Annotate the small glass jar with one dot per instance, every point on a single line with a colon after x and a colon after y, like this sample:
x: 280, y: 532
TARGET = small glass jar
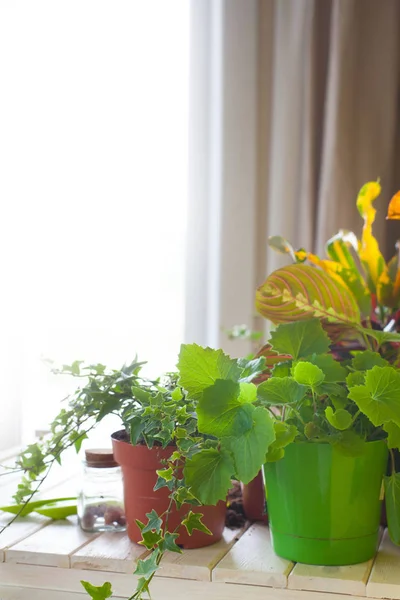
x: 100, y: 502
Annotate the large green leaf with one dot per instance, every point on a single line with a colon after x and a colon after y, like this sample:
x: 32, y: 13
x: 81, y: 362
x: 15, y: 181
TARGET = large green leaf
x: 201, y: 367
x: 341, y: 419
x: 393, y: 431
x: 308, y: 374
x: 249, y: 449
x: 285, y: 434
x: 223, y: 411
x: 330, y: 367
x: 299, y: 292
x: 392, y: 499
x: 251, y: 368
x: 379, y: 397
x: 300, y: 339
x: 363, y: 361
x: 280, y: 390
x: 208, y: 474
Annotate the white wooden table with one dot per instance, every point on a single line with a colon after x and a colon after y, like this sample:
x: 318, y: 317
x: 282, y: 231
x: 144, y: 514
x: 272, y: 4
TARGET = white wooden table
x: 42, y: 559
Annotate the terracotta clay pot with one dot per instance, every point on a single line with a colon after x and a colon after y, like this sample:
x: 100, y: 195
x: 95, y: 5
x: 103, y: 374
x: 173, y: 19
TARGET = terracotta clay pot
x: 253, y: 495
x: 139, y: 465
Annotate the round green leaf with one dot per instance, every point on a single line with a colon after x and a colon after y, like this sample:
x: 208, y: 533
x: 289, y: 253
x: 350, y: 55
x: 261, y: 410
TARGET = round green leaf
x: 308, y: 374
x: 341, y: 419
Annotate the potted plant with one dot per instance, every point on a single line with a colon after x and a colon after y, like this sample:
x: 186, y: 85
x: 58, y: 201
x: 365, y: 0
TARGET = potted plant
x: 352, y: 292
x: 158, y: 420
x: 162, y: 448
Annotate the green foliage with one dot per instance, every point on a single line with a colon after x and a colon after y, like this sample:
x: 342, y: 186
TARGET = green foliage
x: 224, y: 399
x: 208, y: 474
x: 250, y: 448
x: 193, y: 521
x: 308, y: 374
x: 220, y: 426
x: 392, y: 499
x: 280, y: 390
x: 98, y: 593
x: 378, y: 397
x: 363, y: 361
x: 200, y: 367
x: 300, y: 339
x: 341, y: 419
x: 333, y: 371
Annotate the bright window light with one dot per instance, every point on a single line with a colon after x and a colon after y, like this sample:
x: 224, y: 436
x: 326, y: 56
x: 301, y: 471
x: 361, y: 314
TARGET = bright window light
x: 93, y: 191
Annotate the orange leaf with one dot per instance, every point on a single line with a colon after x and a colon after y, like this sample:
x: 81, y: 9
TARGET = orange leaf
x: 394, y: 207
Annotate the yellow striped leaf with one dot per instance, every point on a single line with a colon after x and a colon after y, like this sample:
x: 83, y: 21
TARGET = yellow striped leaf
x: 369, y: 251
x: 300, y: 292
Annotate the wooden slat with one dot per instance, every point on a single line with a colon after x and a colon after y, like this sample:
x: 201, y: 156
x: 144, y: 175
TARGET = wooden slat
x: 109, y: 552
x: 198, y: 564
x: 384, y: 581
x: 350, y: 580
x: 45, y: 579
x: 253, y: 561
x: 19, y: 530
x: 51, y: 545
x: 17, y: 593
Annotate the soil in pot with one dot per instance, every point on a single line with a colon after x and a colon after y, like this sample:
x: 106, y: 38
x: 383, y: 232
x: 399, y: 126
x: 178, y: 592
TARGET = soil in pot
x: 139, y: 465
x: 324, y: 507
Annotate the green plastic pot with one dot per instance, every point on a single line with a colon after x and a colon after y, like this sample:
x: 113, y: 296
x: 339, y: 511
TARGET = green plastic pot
x: 324, y: 507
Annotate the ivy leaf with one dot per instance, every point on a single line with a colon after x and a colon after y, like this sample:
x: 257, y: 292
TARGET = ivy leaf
x: 331, y: 368
x: 199, y: 368
x: 136, y: 427
x: 150, y: 539
x: 77, y: 437
x: 98, y: 593
x: 169, y: 543
x: 356, y: 378
x: 222, y: 411
x: 280, y: 390
x: 308, y: 374
x: 145, y: 568
x: 392, y: 500
x: 341, y: 419
x: 166, y: 474
x: 176, y: 394
x: 251, y: 368
x: 194, y: 521
x: 249, y: 449
x: 363, y: 361
x: 393, y: 432
x: 208, y: 474
x: 300, y: 338
x: 378, y: 398
x: 154, y: 522
x: 348, y: 443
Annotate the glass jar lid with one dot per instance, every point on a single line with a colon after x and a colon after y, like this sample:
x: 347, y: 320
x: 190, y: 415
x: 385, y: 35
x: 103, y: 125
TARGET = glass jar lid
x: 100, y: 458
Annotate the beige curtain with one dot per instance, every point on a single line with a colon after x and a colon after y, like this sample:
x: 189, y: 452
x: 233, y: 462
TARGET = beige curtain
x: 329, y: 117
x: 295, y: 104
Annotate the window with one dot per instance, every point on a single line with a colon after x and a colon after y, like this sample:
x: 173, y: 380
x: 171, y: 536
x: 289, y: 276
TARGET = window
x: 93, y: 192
